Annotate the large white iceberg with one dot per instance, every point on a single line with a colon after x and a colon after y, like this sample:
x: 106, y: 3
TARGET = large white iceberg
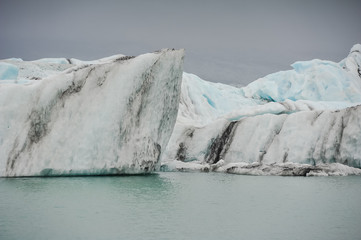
x: 287, y: 123
x: 110, y: 116
x: 115, y: 115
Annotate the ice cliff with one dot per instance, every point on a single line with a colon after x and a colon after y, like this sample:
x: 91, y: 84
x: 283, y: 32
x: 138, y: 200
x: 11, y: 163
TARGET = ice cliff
x: 69, y: 117
x: 305, y: 121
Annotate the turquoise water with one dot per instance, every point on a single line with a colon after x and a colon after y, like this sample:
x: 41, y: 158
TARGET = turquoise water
x: 181, y: 206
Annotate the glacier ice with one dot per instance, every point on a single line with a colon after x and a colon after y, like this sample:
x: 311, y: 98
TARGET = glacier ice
x: 314, y: 80
x: 202, y: 101
x: 255, y: 168
x: 120, y: 112
x: 296, y: 122
x: 8, y: 71
x: 88, y: 118
x: 307, y: 137
x: 15, y: 70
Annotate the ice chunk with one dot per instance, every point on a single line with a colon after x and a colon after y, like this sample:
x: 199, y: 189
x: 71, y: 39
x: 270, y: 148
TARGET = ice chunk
x: 309, y: 115
x: 91, y: 119
x: 314, y: 80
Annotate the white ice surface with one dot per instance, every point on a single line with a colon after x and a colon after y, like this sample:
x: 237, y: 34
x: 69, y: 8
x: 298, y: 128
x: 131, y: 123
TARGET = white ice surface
x: 314, y: 80
x: 90, y: 118
x: 15, y: 70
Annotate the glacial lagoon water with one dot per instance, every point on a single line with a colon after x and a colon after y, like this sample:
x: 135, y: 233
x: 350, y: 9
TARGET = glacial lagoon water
x: 181, y: 206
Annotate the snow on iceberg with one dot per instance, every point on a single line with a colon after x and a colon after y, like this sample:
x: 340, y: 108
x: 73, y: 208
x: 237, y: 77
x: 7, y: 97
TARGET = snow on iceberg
x: 26, y: 72
x: 15, y: 70
x: 308, y: 116
x: 90, y: 119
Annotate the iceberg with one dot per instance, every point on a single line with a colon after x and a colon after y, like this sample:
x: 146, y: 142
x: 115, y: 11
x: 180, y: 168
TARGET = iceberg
x: 131, y: 115
x: 111, y: 116
x: 314, y: 80
x: 304, y: 121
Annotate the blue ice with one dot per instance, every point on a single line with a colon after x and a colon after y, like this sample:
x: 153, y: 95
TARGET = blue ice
x: 8, y: 71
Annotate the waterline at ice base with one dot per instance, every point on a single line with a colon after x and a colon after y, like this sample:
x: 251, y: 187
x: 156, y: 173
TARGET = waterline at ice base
x: 122, y: 115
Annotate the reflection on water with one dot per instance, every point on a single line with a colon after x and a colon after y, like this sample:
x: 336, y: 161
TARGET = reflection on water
x: 180, y: 206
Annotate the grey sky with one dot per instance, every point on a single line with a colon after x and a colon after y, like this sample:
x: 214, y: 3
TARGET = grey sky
x: 226, y: 41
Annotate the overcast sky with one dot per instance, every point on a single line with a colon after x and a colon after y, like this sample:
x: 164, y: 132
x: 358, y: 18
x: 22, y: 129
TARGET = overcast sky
x: 226, y: 41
